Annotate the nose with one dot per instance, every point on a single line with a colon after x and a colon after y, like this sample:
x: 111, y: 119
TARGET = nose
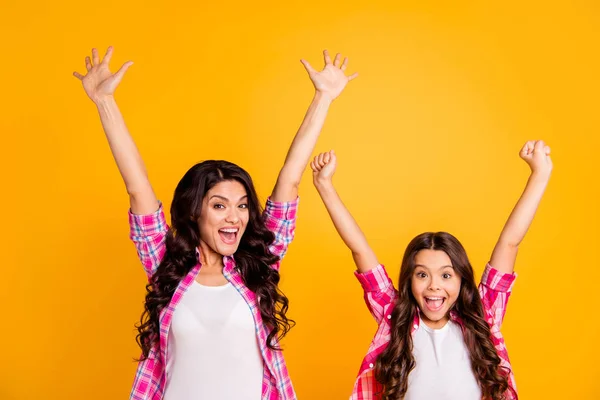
x: 433, y: 284
x: 232, y: 216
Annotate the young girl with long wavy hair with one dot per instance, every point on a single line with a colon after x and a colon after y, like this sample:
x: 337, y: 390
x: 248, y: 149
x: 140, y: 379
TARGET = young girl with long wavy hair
x: 438, y: 334
x: 214, y: 314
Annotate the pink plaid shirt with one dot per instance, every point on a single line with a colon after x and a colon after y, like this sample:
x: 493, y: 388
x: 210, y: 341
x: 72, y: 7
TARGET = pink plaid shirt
x: 148, y: 233
x: 380, y: 296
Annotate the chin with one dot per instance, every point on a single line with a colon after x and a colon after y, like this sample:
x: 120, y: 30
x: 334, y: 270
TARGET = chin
x: 228, y: 251
x: 435, y: 317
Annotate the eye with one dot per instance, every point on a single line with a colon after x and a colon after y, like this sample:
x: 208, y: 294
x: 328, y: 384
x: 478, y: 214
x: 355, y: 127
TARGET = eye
x: 218, y: 206
x: 421, y: 274
x: 244, y: 206
x: 447, y: 276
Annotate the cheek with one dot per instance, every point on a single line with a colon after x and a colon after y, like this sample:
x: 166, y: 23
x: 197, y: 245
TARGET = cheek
x: 417, y: 287
x: 208, y: 223
x: 454, y: 288
x: 203, y: 227
x: 245, y: 218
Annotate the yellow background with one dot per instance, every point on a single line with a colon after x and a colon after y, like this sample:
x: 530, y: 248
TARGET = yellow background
x: 427, y: 139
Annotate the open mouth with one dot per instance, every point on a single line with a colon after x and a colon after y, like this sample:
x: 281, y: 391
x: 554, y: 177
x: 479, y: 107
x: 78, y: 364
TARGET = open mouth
x: 434, y: 303
x: 228, y: 235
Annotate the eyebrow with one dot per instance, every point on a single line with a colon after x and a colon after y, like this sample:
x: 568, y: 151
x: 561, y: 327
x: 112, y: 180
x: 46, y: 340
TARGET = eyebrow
x: 225, y: 198
x: 426, y: 267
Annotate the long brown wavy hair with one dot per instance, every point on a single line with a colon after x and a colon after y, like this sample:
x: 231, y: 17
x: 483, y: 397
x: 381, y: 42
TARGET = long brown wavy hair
x: 252, y: 258
x: 396, y: 362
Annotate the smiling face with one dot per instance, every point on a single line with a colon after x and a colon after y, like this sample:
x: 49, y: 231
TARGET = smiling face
x: 224, y: 217
x: 435, y: 286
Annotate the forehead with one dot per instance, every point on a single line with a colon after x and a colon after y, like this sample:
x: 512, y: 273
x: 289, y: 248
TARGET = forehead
x: 232, y: 190
x: 432, y: 259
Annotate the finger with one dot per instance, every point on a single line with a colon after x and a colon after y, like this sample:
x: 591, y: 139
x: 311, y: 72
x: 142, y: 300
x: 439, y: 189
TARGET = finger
x: 539, y: 146
x: 108, y: 55
x: 326, y: 158
x: 547, y: 150
x: 353, y: 76
x: 308, y: 67
x: 527, y: 147
x: 119, y: 74
x: 326, y: 57
x: 336, y: 60
x: 344, y: 64
x: 315, y: 163
x: 78, y: 75
x: 321, y: 160
x: 530, y: 146
x: 88, y: 63
x: 313, y: 167
x: 95, y: 57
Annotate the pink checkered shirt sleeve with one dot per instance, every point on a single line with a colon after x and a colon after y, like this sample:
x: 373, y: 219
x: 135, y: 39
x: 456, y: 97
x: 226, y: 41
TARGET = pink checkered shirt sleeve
x: 280, y: 218
x: 379, y: 291
x: 495, y: 289
x: 148, y: 233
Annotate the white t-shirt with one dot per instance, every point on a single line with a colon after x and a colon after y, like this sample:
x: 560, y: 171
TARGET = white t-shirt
x: 443, y: 367
x: 213, y: 351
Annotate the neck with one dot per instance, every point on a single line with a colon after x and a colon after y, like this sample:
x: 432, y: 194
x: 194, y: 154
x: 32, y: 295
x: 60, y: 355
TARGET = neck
x: 209, y: 257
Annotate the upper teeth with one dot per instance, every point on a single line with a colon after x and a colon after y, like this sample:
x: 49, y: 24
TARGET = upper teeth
x: 434, y: 298
x: 229, y: 230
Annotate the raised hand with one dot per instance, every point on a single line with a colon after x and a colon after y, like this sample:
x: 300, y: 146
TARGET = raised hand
x: 99, y: 82
x: 329, y: 83
x: 537, y: 155
x: 332, y: 80
x: 323, y: 166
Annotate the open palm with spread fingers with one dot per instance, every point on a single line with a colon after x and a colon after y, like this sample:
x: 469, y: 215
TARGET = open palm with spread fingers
x: 332, y: 80
x: 99, y: 82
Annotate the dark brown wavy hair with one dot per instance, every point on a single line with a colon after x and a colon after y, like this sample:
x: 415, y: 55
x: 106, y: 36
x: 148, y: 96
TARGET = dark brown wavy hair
x: 396, y: 362
x: 252, y: 258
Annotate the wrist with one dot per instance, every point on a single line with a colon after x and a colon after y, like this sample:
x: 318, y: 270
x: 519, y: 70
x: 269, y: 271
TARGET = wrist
x: 322, y: 97
x: 323, y: 183
x: 540, y: 176
x: 104, y: 100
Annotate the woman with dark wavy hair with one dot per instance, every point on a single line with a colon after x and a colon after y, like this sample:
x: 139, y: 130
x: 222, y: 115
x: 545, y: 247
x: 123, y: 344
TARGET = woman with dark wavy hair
x: 214, y: 314
x: 438, y: 334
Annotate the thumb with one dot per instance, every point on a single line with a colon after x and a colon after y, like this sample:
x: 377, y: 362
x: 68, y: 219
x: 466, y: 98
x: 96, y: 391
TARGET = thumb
x: 121, y: 72
x: 308, y: 67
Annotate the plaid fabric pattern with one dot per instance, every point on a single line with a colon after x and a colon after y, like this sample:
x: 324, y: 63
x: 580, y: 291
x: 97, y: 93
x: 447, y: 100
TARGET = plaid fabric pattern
x: 380, y: 297
x: 148, y: 234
